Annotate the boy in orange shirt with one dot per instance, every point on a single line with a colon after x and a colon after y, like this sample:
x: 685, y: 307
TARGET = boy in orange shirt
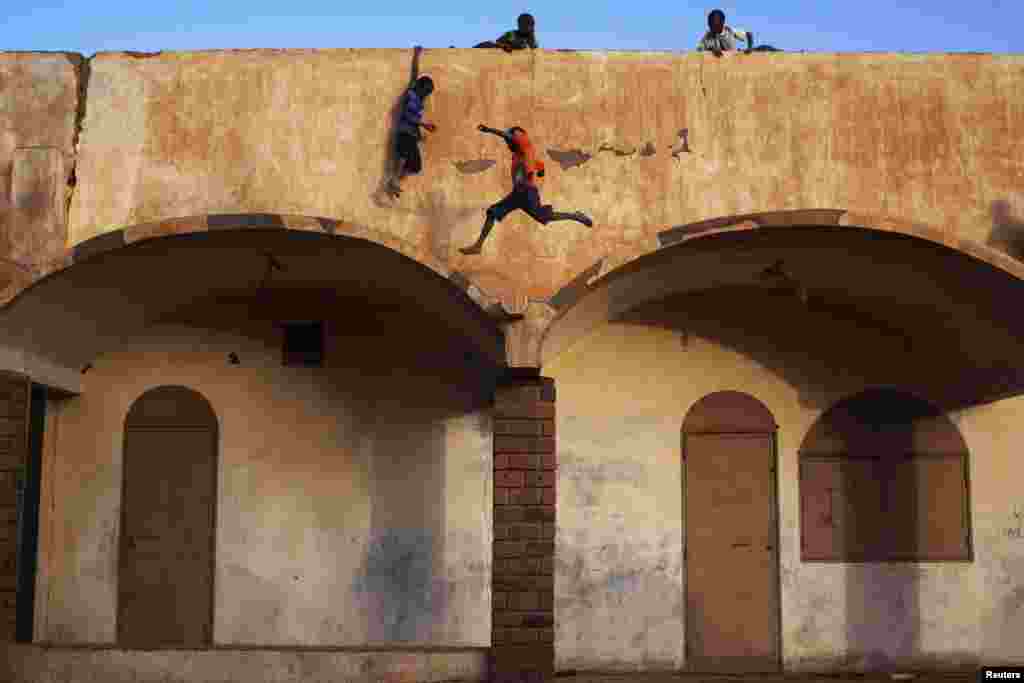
x: 525, y: 195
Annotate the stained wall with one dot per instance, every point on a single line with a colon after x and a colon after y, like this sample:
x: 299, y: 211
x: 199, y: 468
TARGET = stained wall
x: 623, y: 393
x: 354, y: 501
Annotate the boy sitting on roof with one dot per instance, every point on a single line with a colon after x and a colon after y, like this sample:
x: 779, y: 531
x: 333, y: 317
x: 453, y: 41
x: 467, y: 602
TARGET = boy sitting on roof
x: 521, y: 38
x: 721, y: 38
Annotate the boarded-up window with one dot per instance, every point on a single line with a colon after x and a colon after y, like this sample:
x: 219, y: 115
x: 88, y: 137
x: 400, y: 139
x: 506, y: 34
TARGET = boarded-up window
x: 883, y: 477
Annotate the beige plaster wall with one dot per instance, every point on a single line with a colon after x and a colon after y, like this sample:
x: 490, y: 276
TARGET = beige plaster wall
x: 623, y: 393
x: 932, y: 139
x: 354, y: 502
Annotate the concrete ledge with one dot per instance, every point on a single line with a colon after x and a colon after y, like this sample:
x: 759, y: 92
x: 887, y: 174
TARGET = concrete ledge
x: 33, y: 663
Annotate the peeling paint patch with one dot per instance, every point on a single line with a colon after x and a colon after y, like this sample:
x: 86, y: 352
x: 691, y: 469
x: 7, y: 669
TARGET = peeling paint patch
x: 229, y: 221
x: 569, y: 158
x: 617, y: 150
x: 683, y: 144
x: 568, y: 295
x: 679, y: 232
x: 474, y: 165
x: 327, y: 225
x: 98, y: 245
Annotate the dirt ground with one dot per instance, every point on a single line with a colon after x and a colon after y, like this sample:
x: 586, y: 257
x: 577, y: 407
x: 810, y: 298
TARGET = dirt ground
x: 767, y: 678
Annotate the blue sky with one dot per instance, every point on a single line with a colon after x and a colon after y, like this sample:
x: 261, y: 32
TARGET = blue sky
x: 824, y: 26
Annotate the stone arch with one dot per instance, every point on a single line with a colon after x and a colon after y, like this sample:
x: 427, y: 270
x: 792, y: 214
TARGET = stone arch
x: 616, y: 282
x: 38, y: 323
x: 188, y: 225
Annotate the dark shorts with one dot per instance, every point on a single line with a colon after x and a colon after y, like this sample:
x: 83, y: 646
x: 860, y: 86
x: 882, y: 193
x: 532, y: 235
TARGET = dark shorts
x: 409, y: 149
x: 526, y: 198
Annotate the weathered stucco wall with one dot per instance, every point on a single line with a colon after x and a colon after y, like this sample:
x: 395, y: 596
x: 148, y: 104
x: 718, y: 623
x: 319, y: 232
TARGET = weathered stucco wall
x: 354, y: 502
x: 39, y: 95
x: 935, y: 140
x: 619, y: 589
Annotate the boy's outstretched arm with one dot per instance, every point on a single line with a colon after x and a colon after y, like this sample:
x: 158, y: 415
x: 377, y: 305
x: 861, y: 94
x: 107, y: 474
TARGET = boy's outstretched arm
x: 415, y: 65
x: 494, y: 131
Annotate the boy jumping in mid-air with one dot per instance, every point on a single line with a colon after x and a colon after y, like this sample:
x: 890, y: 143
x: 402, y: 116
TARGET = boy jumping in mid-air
x: 524, y: 36
x: 527, y: 169
x: 409, y: 160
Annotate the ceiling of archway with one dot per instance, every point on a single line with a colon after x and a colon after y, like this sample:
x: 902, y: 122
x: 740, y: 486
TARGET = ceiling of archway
x: 87, y: 309
x: 873, y: 304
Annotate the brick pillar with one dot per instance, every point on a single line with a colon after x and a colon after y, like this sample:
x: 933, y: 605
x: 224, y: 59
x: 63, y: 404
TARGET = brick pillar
x: 523, y: 634
x: 13, y: 455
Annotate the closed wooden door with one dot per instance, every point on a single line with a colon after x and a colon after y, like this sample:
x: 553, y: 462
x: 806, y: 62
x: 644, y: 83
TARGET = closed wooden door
x: 165, y: 586
x: 731, y: 555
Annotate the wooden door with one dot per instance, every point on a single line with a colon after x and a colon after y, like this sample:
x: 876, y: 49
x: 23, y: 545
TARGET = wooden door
x: 165, y: 586
x: 732, y: 589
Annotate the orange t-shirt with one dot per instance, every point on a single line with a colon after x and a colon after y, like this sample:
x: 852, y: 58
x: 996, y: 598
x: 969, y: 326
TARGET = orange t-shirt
x: 528, y: 166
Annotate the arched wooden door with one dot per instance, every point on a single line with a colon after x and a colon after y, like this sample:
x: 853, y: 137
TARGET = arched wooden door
x: 732, y: 585
x: 165, y: 582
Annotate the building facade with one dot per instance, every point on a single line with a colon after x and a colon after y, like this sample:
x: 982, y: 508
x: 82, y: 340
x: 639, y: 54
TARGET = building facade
x: 262, y: 421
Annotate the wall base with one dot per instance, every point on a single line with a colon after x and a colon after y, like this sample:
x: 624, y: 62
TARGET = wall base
x: 34, y: 663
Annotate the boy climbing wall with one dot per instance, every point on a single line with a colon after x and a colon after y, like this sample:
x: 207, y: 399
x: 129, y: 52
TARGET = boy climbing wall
x: 527, y: 169
x: 409, y: 160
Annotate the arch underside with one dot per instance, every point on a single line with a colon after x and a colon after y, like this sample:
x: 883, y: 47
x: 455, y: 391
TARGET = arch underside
x: 927, y: 299
x: 72, y: 316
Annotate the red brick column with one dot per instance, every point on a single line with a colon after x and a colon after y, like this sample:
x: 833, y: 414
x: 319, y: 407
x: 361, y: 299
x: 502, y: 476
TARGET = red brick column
x: 523, y: 634
x: 14, y: 391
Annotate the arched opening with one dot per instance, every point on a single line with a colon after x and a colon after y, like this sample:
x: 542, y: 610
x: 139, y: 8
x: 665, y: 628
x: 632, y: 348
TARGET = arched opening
x: 731, y: 535
x: 883, y: 477
x: 168, y: 513
x: 884, y: 484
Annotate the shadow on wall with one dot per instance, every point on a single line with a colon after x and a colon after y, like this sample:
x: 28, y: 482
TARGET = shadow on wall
x: 401, y: 584
x: 380, y: 195
x: 808, y: 346
x: 883, y: 611
x: 878, y: 473
x: 1007, y: 230
x: 442, y: 218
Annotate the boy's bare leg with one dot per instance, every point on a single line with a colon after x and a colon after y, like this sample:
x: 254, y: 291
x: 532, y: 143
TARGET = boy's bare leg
x: 577, y: 216
x: 477, y: 246
x: 394, y: 185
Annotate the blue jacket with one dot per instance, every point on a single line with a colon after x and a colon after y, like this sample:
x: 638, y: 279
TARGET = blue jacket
x: 412, y: 113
